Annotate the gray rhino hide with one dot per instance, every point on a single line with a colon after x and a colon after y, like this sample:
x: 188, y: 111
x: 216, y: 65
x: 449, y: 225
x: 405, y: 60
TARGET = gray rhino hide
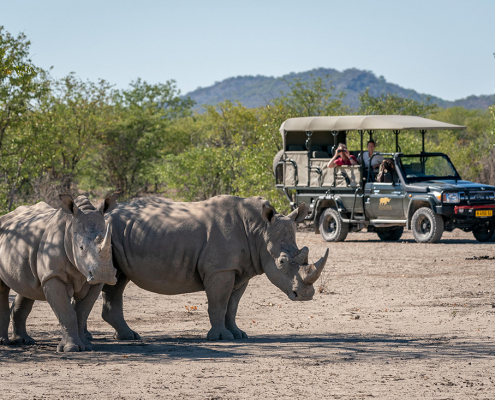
x: 216, y: 245
x: 37, y: 262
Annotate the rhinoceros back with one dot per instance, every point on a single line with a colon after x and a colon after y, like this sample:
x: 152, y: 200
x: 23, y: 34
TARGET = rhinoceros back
x: 21, y: 233
x: 169, y: 247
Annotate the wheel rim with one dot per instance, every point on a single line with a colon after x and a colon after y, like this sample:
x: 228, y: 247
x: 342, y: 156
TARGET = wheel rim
x: 424, y: 225
x: 331, y: 225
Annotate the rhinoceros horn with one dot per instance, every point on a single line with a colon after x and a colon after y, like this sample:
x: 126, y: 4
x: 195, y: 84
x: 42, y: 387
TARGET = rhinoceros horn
x: 106, y: 245
x: 315, y: 270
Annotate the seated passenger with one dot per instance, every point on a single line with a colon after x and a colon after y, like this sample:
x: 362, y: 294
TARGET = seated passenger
x: 375, y: 163
x: 342, y: 157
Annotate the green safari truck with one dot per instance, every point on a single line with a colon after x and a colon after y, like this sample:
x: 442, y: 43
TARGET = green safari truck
x: 422, y: 192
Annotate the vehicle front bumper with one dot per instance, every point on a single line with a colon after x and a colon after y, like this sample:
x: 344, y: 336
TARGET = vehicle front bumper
x: 467, y: 212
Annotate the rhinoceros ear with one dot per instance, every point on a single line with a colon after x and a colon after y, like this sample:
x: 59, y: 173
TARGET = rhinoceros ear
x: 109, y: 203
x: 299, y: 214
x: 68, y: 204
x: 268, y: 212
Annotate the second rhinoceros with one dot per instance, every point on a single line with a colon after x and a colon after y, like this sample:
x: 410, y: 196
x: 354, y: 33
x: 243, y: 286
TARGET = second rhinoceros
x: 216, y: 245
x: 55, y: 255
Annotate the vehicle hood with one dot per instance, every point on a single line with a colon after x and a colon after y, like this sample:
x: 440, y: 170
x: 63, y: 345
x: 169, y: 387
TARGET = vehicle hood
x: 435, y: 185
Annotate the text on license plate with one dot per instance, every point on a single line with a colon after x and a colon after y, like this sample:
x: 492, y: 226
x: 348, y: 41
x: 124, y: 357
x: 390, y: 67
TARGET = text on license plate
x: 484, y: 213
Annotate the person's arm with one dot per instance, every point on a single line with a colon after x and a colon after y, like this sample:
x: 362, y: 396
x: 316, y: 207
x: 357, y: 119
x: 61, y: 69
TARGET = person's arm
x: 332, y: 163
x: 352, y: 159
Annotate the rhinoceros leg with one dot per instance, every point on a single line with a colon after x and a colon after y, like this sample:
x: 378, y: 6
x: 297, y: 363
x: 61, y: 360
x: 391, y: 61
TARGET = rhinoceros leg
x: 4, y: 313
x: 218, y: 289
x: 20, y: 310
x: 83, y: 307
x: 87, y: 334
x: 113, y: 309
x: 59, y: 300
x: 232, y: 312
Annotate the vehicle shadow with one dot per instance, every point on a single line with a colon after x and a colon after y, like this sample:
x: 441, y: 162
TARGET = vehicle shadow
x: 330, y: 348
x: 412, y: 241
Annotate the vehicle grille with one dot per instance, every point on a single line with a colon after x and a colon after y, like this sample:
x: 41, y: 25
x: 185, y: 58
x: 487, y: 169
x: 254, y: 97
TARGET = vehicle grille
x: 479, y: 197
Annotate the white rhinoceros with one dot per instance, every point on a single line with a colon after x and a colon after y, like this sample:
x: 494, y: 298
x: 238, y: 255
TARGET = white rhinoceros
x: 55, y: 255
x: 215, y: 245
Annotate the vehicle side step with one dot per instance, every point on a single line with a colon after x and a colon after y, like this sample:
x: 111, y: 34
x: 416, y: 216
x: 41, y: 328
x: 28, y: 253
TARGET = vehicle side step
x: 353, y: 221
x: 388, y: 221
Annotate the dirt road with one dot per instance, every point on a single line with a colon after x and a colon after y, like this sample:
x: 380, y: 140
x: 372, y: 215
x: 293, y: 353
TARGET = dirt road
x: 395, y: 320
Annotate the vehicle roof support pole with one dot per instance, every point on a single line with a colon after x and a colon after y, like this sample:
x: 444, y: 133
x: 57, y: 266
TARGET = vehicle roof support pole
x: 423, y: 140
x: 308, y: 140
x: 308, y: 150
x: 361, y: 133
x: 370, y: 132
x: 396, y: 141
x: 334, y: 133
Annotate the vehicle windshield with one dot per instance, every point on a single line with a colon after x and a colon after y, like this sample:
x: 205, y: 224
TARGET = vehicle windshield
x: 427, y: 167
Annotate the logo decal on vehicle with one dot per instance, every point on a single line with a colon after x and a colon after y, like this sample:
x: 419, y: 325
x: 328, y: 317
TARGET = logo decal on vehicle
x: 384, y: 204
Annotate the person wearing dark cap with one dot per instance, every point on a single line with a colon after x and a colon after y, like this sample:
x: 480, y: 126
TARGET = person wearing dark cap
x: 376, y: 161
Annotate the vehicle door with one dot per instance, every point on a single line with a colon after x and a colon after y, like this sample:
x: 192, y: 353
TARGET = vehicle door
x: 385, y: 200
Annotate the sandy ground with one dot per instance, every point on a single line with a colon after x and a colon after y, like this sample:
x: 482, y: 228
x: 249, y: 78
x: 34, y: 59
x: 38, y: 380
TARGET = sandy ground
x: 395, y: 320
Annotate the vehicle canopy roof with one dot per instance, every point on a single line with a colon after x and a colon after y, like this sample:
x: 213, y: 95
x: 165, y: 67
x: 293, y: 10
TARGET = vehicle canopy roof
x: 363, y: 122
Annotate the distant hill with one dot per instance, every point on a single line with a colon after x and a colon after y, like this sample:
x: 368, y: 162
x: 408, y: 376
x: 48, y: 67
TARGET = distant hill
x: 255, y: 91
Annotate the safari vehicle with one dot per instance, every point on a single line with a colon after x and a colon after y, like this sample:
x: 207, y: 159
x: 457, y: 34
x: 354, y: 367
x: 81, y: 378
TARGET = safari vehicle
x: 424, y: 192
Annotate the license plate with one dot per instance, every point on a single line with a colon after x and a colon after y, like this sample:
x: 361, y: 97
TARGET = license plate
x: 484, y: 213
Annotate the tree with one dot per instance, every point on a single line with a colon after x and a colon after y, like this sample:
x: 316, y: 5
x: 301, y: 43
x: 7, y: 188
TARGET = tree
x: 311, y: 98
x: 210, y: 164
x: 22, y: 85
x: 23, y: 160
x: 392, y: 104
x: 486, y: 166
x: 74, y: 116
x: 18, y: 83
x: 232, y: 147
x: 198, y: 173
x: 13, y: 53
x: 132, y: 147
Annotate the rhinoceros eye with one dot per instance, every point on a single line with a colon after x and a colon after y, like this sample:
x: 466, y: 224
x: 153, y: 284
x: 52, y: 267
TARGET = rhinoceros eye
x: 81, y: 247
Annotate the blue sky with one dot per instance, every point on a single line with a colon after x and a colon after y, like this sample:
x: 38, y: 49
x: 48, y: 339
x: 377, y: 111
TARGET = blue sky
x: 439, y: 47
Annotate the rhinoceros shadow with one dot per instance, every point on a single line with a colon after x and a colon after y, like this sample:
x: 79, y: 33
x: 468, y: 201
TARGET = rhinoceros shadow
x: 301, y: 349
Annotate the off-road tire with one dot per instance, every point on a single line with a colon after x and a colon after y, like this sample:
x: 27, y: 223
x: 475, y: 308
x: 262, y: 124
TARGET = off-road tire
x: 278, y: 157
x: 332, y: 229
x: 392, y: 235
x: 427, y: 227
x: 486, y: 233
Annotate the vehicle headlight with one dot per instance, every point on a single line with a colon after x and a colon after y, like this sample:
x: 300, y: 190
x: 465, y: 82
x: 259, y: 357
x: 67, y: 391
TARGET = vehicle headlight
x: 451, y: 198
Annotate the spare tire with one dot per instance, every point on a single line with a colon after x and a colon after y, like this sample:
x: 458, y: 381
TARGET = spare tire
x: 278, y: 157
x: 280, y: 177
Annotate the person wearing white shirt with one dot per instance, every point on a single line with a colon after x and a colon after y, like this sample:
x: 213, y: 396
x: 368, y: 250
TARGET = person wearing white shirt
x: 376, y: 161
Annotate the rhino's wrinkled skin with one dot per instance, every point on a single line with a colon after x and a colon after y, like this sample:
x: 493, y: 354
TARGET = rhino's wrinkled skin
x: 55, y: 255
x: 215, y: 245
